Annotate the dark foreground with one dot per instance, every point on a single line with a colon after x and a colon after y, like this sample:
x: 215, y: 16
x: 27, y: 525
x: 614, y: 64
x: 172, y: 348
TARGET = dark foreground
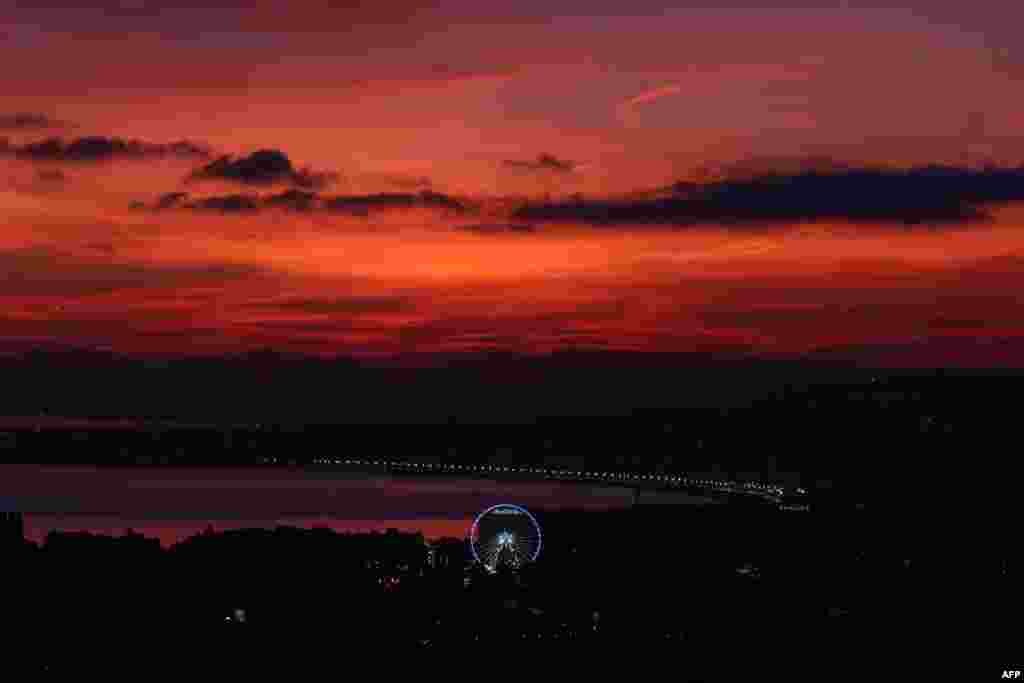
x: 693, y: 594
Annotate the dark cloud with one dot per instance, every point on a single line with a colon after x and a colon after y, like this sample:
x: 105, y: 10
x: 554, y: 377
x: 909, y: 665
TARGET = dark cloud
x: 362, y: 204
x: 946, y: 323
x: 262, y: 167
x: 440, y: 201
x: 171, y: 200
x: 544, y: 162
x: 754, y: 167
x: 682, y: 188
x: 303, y: 201
x: 924, y: 195
x: 235, y: 203
x: 294, y: 200
x: 30, y: 121
x: 94, y: 149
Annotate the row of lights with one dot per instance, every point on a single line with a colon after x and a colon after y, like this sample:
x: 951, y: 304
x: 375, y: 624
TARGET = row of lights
x: 569, y: 634
x: 621, y: 476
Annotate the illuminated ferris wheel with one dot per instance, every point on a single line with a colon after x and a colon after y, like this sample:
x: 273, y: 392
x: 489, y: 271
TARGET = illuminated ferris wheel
x: 505, y: 535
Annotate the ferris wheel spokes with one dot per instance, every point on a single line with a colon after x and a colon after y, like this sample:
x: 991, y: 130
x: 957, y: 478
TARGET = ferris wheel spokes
x: 505, y: 534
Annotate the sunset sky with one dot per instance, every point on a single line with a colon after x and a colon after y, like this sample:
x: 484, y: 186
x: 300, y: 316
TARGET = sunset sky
x: 480, y: 100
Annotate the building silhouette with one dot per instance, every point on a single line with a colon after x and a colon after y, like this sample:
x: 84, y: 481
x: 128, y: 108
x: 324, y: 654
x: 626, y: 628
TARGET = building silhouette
x: 12, y: 529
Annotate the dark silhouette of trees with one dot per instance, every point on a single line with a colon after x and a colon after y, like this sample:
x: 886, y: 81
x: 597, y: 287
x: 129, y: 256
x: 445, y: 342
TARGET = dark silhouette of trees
x: 716, y: 579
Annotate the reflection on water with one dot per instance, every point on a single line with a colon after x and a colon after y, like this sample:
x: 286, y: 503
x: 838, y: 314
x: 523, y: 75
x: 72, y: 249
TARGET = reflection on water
x: 174, y: 503
x: 171, y: 531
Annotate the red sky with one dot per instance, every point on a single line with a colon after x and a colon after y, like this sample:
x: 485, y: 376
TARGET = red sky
x: 450, y: 92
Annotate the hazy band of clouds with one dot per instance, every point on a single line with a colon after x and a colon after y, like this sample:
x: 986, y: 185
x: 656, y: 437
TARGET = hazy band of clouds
x: 543, y: 162
x: 31, y: 121
x: 98, y: 148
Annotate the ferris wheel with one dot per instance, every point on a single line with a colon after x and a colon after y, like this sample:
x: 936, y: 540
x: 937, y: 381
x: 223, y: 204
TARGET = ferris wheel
x: 505, y: 535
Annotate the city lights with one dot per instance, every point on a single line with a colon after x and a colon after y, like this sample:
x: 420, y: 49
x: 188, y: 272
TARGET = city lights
x: 770, y: 491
